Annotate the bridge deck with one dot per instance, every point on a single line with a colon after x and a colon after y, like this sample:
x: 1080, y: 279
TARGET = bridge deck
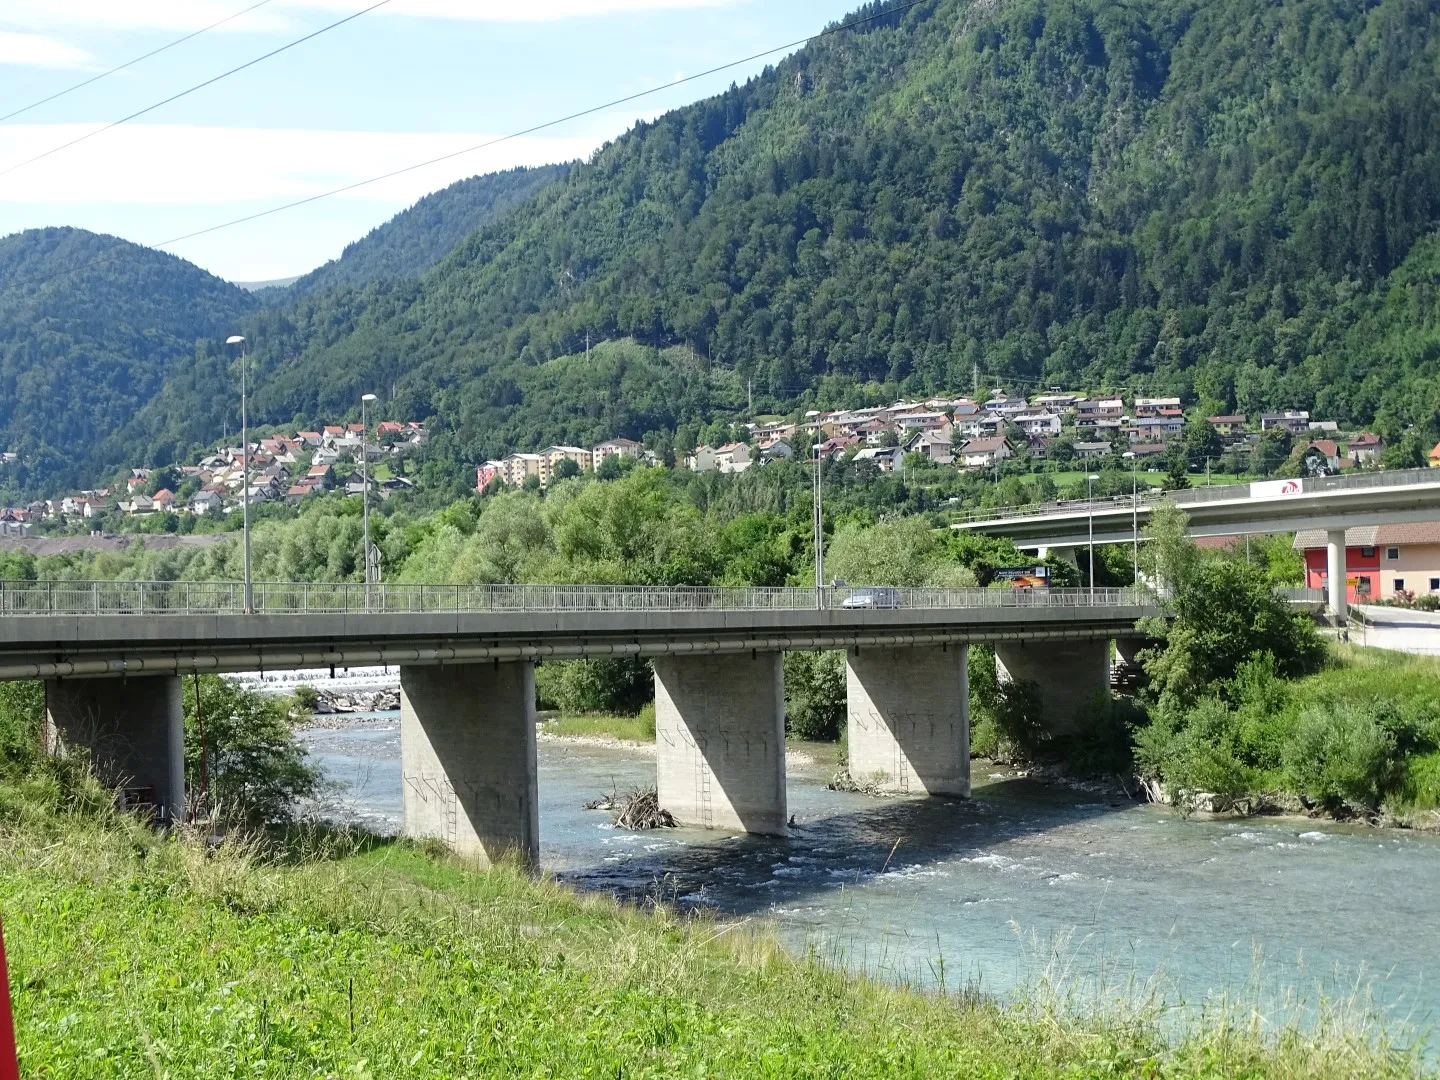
x: 52, y: 629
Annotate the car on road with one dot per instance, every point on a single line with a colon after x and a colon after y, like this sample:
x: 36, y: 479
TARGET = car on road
x: 876, y: 597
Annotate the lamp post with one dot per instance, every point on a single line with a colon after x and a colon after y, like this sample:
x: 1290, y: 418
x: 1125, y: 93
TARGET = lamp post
x: 1090, y: 507
x: 245, y: 468
x: 818, y: 513
x: 365, y: 479
x: 1134, y: 515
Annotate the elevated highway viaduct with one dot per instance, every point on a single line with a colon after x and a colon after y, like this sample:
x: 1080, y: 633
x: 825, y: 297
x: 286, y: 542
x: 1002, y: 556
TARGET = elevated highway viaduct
x: 113, y: 656
x: 1329, y: 504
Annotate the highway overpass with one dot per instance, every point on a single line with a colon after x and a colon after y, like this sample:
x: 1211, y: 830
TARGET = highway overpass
x: 1331, y: 504
x: 113, y: 656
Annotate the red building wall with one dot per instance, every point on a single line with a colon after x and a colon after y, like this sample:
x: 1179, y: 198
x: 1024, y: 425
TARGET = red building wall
x: 1361, y: 564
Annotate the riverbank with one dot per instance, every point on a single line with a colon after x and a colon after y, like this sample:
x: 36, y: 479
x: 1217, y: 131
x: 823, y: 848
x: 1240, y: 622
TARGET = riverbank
x: 345, y: 956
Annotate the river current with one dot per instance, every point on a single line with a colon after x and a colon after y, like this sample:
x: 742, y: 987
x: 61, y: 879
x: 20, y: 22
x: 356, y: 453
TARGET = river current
x: 1023, y: 882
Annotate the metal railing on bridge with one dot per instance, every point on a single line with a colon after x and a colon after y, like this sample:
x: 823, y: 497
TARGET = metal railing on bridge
x: 35, y: 598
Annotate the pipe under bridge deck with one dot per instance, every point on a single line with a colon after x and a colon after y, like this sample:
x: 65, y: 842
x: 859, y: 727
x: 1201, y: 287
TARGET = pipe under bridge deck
x: 1331, y: 504
x: 113, y: 654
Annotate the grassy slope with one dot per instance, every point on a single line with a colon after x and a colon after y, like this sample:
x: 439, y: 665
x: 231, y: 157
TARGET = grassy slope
x: 139, y: 957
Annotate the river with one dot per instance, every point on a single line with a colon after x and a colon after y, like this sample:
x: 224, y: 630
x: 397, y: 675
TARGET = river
x: 1023, y: 881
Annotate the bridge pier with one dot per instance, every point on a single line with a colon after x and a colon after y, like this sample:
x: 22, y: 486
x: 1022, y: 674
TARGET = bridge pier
x: 720, y: 741
x: 1338, y: 577
x: 467, y: 747
x: 909, y: 718
x: 1071, y: 676
x: 134, y: 729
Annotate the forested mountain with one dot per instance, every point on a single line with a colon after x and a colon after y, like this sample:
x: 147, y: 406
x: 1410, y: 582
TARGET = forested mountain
x: 90, y: 329
x: 417, y: 238
x: 1233, y: 200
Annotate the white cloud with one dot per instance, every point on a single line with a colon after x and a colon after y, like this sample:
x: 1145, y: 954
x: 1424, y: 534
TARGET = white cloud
x: 36, y: 50
x: 168, y: 15
x: 185, y: 15
x: 185, y: 165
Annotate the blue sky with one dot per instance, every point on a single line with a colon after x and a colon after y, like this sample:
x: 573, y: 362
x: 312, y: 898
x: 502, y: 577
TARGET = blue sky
x: 415, y: 79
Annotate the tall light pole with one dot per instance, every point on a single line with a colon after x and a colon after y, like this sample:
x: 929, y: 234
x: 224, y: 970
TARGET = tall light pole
x: 1134, y: 515
x: 245, y: 467
x: 819, y: 524
x: 1090, y: 506
x: 365, y: 477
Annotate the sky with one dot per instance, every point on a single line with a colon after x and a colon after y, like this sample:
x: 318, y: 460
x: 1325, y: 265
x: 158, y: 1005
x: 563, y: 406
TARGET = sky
x: 409, y: 81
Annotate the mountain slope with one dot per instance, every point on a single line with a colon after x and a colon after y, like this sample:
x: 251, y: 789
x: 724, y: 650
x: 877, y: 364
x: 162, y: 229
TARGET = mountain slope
x: 1201, y: 195
x: 90, y: 328
x: 415, y: 239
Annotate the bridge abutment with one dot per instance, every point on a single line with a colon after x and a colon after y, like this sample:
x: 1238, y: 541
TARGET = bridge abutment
x: 909, y: 718
x: 467, y: 746
x: 720, y: 741
x: 1070, y: 676
x: 134, y: 731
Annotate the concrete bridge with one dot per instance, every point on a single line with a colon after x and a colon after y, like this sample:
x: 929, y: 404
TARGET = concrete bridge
x: 113, y: 655
x: 1331, y: 504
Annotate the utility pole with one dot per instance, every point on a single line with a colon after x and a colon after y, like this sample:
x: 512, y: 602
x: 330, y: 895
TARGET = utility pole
x: 819, y: 522
x: 365, y: 484
x: 236, y: 339
x: 750, y: 394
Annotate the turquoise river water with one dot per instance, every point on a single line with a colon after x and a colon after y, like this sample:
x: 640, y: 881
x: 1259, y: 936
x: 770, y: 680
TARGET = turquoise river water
x: 1023, y: 882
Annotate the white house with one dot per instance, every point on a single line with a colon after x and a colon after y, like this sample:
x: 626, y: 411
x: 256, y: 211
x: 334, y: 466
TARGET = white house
x: 1041, y: 423
x: 985, y: 453
x: 887, y: 459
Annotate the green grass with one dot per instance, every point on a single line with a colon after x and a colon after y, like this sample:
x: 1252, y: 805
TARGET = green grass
x: 640, y: 729
x: 134, y: 956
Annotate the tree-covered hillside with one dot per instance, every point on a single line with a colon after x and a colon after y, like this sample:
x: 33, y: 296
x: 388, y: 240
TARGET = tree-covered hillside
x: 90, y: 329
x: 417, y: 238
x: 1236, y: 201
x: 1232, y: 199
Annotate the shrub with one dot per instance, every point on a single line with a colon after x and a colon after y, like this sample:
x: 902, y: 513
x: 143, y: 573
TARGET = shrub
x: 815, y: 695
x: 255, y: 770
x: 1422, y: 782
x: 1195, y: 750
x: 1344, y: 754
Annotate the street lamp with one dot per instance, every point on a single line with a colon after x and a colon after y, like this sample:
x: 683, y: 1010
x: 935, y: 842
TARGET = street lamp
x: 1090, y: 505
x: 236, y: 339
x: 1135, y: 514
x: 365, y: 476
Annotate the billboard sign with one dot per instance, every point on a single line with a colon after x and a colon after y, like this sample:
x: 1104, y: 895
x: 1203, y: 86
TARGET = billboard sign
x: 1270, y: 489
x: 1024, y: 577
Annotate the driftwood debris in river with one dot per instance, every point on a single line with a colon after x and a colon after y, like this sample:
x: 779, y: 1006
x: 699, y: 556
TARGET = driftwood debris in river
x: 639, y: 811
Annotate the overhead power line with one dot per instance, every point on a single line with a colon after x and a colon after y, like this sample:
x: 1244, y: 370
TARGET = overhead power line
x: 828, y: 32
x: 197, y: 86
x: 131, y: 63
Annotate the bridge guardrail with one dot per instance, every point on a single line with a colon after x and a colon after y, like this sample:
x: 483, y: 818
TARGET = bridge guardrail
x: 159, y: 598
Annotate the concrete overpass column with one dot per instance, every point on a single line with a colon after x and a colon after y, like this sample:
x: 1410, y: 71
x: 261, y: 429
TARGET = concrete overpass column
x: 1071, y: 677
x: 1338, y: 577
x: 720, y: 741
x: 467, y: 747
x: 134, y: 730
x: 909, y: 719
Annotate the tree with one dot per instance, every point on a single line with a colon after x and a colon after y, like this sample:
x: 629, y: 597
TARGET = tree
x: 1226, y: 613
x: 1408, y: 452
x: 241, y: 754
x: 1202, y: 442
x: 565, y: 469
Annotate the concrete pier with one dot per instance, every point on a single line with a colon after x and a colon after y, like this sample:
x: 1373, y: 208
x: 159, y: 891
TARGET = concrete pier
x: 909, y: 719
x: 720, y: 741
x: 134, y: 731
x: 1071, y: 676
x: 1337, y: 577
x: 467, y: 746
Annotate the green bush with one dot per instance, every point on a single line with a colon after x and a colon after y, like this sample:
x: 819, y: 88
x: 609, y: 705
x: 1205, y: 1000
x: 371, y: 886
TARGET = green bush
x: 254, y: 769
x: 1344, y: 755
x: 815, y: 695
x: 1422, y: 782
x: 1195, y: 750
x: 647, y: 719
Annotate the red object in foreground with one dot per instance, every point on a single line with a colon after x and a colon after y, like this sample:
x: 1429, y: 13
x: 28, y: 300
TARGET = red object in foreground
x: 9, y: 1060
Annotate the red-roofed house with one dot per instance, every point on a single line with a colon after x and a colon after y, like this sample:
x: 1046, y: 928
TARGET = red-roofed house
x: 1380, y: 560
